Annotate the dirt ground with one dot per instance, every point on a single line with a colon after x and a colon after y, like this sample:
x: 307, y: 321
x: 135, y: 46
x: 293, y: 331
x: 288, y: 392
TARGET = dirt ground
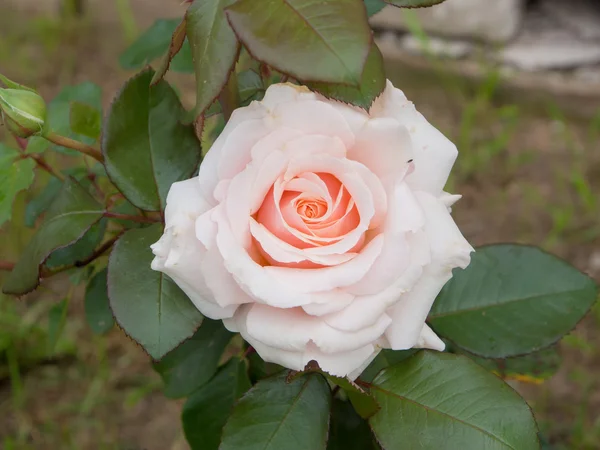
x: 529, y: 177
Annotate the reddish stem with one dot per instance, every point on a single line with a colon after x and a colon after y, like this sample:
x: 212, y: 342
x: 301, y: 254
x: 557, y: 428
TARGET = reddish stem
x: 7, y: 265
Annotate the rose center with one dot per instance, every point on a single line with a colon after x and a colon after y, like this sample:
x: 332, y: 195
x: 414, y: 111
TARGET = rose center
x: 311, y: 209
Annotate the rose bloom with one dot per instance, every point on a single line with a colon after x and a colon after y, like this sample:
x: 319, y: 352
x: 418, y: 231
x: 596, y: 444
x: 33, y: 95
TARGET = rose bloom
x: 317, y: 230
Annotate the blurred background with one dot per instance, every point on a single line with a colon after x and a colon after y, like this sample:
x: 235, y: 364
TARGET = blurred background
x: 514, y: 83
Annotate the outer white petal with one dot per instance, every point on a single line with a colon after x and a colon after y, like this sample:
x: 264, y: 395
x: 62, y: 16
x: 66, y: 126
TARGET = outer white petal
x: 384, y: 146
x: 232, y: 147
x: 292, y: 330
x: 224, y: 288
x: 313, y: 117
x: 405, y: 216
x: 180, y: 254
x: 434, y: 154
x: 428, y: 339
x: 284, y: 93
x: 449, y: 249
x: 341, y: 363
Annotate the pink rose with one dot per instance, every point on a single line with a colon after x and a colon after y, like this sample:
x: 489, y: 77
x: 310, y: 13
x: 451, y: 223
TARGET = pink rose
x: 316, y: 230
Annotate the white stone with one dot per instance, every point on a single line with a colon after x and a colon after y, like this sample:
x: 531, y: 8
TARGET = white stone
x: 545, y: 45
x: 486, y: 20
x: 444, y: 48
x: 580, y: 16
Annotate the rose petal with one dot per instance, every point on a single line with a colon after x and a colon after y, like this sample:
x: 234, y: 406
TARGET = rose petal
x: 180, y: 254
x: 292, y: 329
x: 313, y: 117
x: 350, y: 363
x: 221, y: 148
x: 328, y: 278
x: 449, y: 249
x: 404, y: 215
x: 434, y: 154
x: 384, y: 146
x: 280, y: 93
x: 428, y: 339
x: 253, y: 278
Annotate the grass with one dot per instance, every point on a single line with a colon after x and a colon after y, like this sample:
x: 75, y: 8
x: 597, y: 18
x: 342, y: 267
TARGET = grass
x: 525, y: 177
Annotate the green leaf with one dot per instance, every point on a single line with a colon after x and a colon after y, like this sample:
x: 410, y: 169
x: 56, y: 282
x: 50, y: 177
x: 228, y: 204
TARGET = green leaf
x: 259, y: 369
x: 16, y: 175
x: 175, y: 45
x: 275, y: 415
x: 71, y: 214
x: 347, y: 430
x: 384, y: 359
x: 443, y: 401
x: 214, y: 48
x: 206, y: 410
x: 146, y: 304
x: 40, y: 203
x: 512, y: 299
x: 311, y: 40
x: 154, y: 43
x: 59, y: 116
x: 371, y: 85
x: 80, y: 250
x: 250, y: 86
x: 374, y: 6
x: 97, y: 309
x: 532, y: 368
x: 86, y: 120
x: 195, y: 361
x: 364, y: 404
x: 146, y: 147
x: 57, y: 317
x: 414, y: 3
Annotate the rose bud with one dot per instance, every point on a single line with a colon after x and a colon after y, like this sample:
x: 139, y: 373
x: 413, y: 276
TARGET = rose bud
x: 317, y: 230
x: 23, y: 112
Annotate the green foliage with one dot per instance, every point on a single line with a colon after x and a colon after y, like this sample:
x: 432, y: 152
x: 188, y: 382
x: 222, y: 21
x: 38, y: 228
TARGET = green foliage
x: 85, y: 120
x: 215, y: 49
x: 329, y: 41
x: 371, y: 85
x: 364, y: 404
x: 532, y: 368
x: 16, y: 175
x: 251, y: 86
x: 145, y: 303
x: 384, y: 359
x: 277, y: 415
x: 194, y: 362
x: 206, y: 410
x: 511, y: 299
x: 414, y: 3
x: 71, y: 214
x: 97, y: 309
x: 57, y: 317
x: 38, y: 205
x: 175, y: 46
x: 154, y: 43
x: 259, y: 369
x: 23, y: 112
x: 59, y: 116
x: 145, y: 145
x: 451, y: 410
x: 347, y: 430
x: 374, y: 6
x: 79, y: 250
